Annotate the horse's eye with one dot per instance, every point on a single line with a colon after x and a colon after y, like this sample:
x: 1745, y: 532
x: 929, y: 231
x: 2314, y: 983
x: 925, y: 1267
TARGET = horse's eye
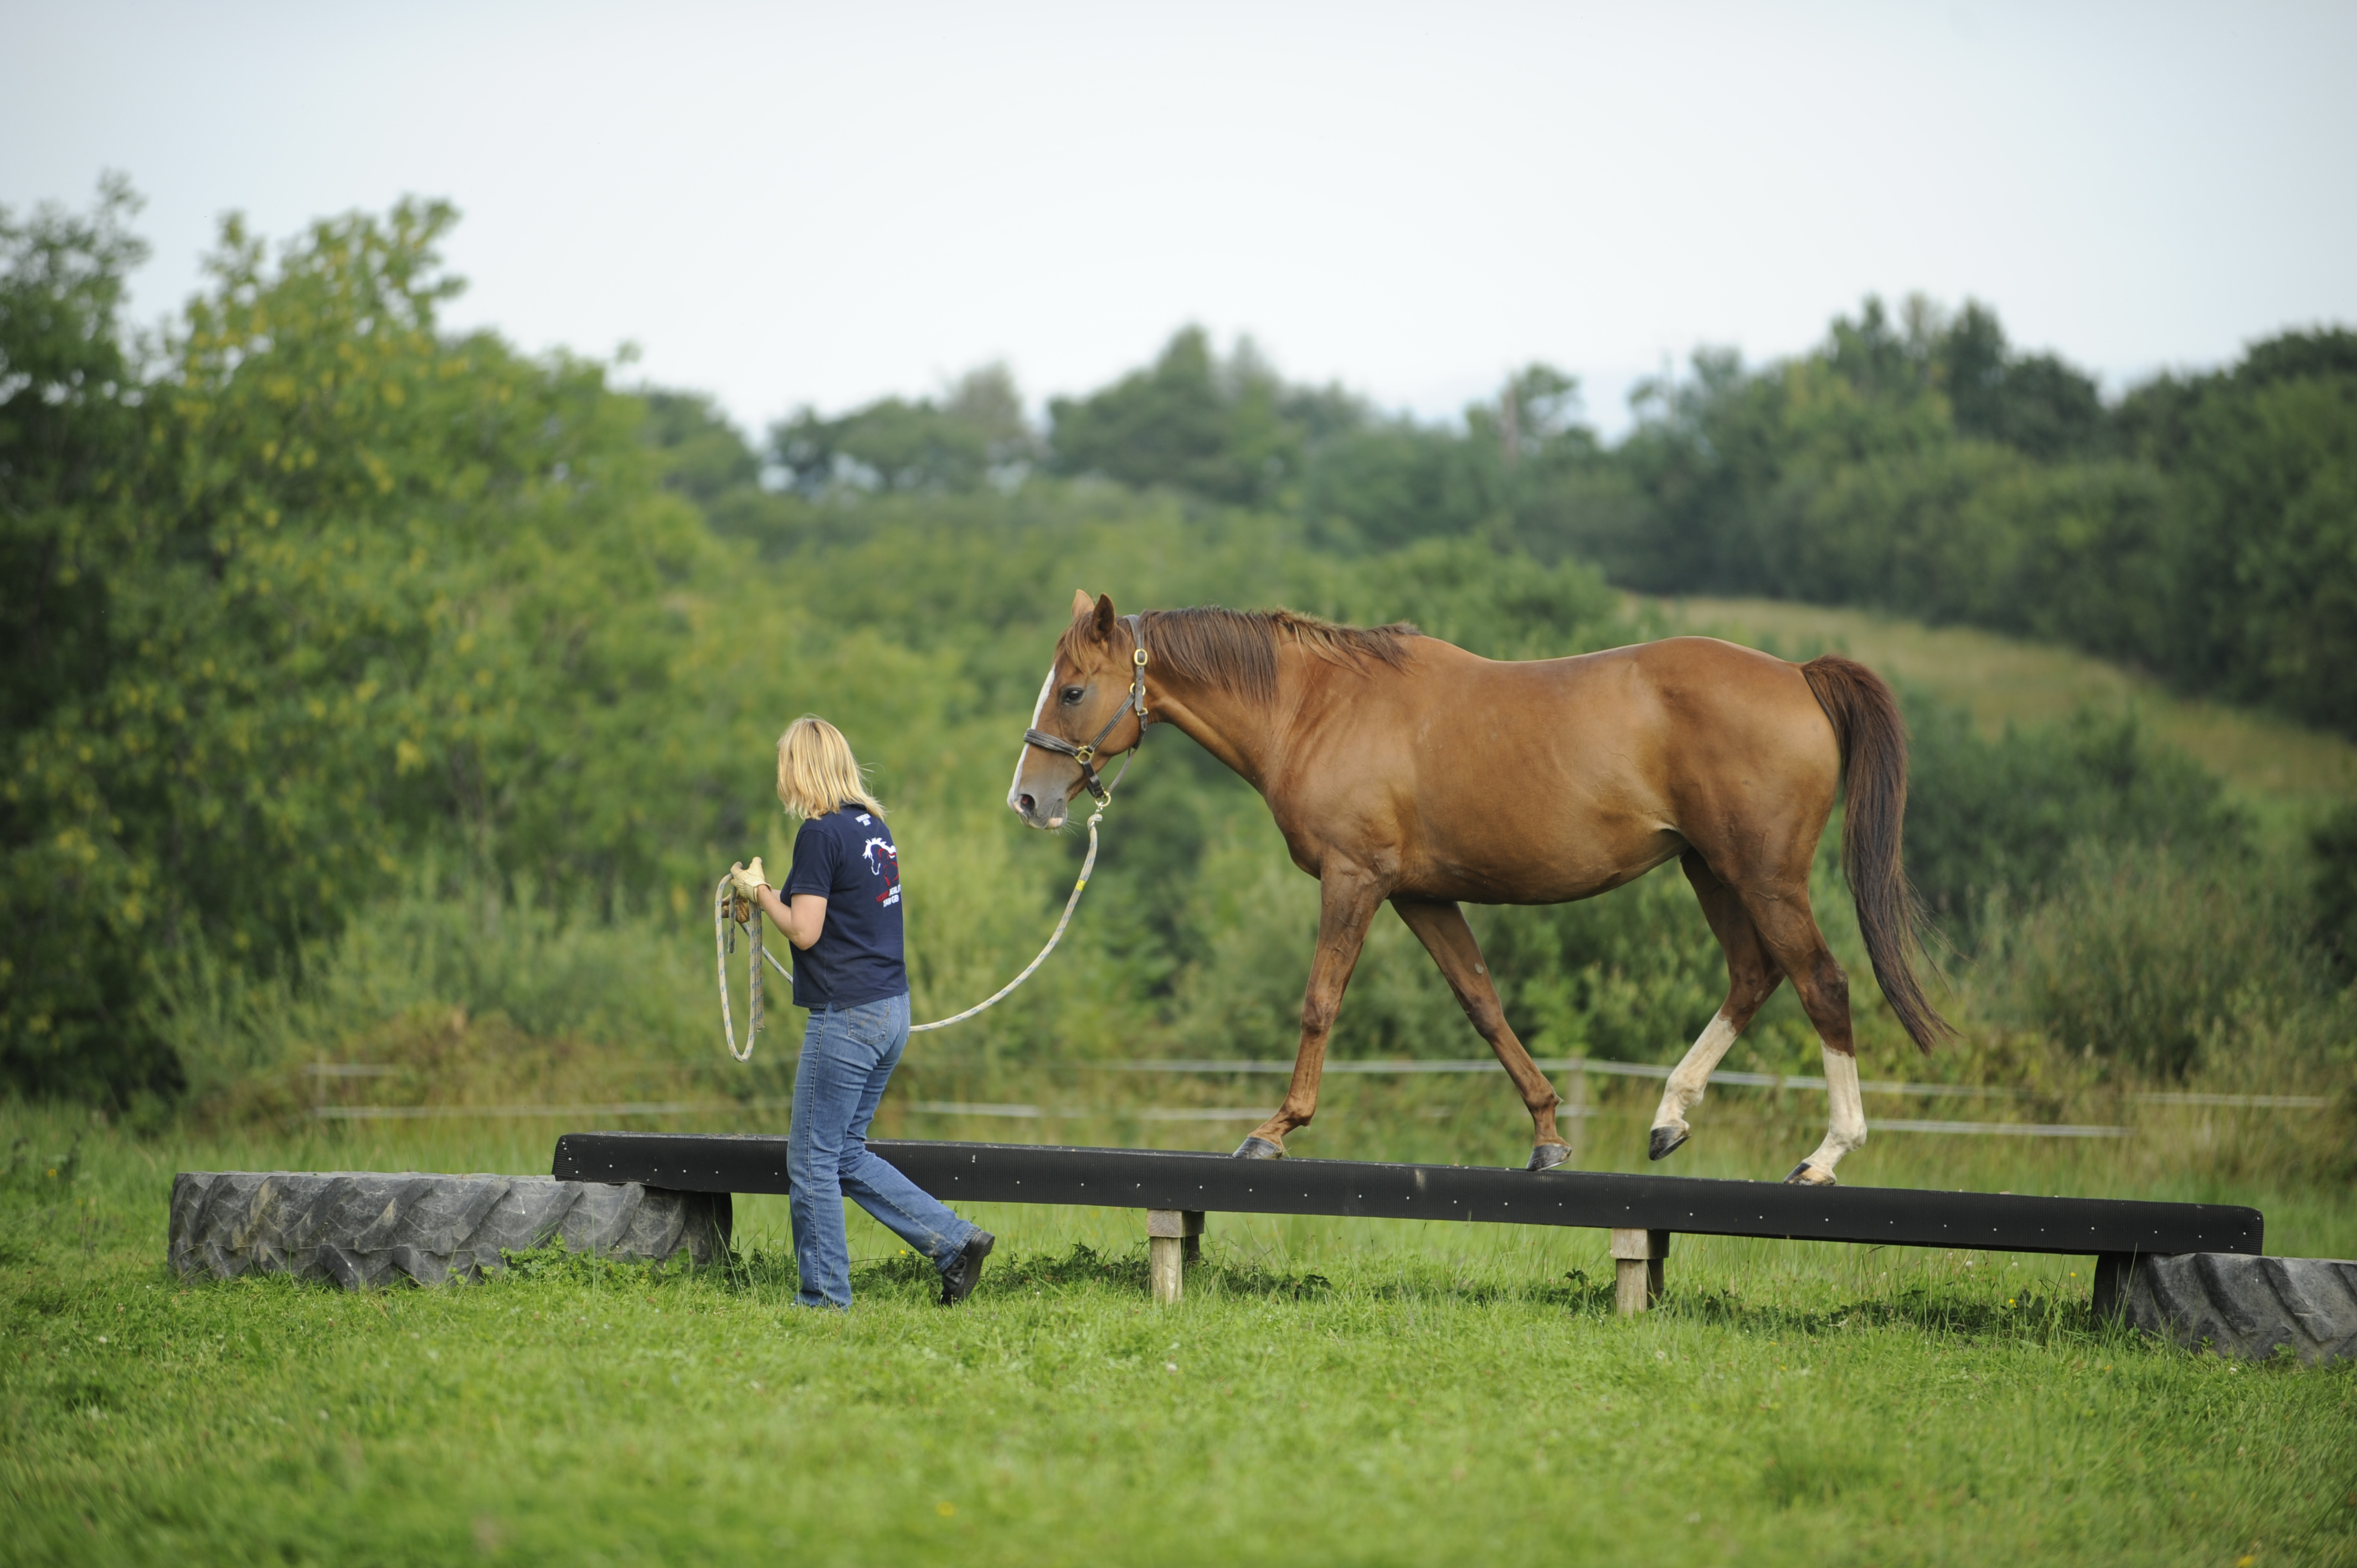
x: 1073, y: 694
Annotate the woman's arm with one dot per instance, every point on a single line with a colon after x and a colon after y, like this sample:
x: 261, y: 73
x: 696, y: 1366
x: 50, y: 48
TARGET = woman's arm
x: 802, y: 920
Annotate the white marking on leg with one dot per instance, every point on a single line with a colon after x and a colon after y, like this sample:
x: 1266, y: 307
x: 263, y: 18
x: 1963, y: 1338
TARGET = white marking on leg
x: 1039, y: 709
x: 1684, y: 1090
x: 1845, y: 1117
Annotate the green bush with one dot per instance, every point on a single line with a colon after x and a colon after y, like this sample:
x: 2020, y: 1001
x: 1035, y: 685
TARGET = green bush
x: 636, y: 984
x: 2146, y: 961
x: 2334, y: 846
x: 1989, y: 816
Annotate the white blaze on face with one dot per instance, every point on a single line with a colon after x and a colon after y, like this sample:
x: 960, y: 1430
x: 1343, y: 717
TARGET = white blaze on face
x: 1038, y: 711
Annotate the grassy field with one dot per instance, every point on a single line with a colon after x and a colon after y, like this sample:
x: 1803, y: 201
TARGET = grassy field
x: 1329, y: 1391
x: 2287, y: 774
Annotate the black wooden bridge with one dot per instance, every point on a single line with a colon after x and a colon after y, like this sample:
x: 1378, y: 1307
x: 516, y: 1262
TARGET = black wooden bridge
x: 1178, y: 1189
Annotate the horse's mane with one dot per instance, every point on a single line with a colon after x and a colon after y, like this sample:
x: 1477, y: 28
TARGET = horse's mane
x: 1236, y: 649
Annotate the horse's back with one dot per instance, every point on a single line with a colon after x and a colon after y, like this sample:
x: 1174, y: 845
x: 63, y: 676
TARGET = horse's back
x: 1680, y: 694
x: 1551, y: 780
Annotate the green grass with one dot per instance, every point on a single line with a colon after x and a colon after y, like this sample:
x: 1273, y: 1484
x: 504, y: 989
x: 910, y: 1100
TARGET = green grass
x: 1329, y: 1391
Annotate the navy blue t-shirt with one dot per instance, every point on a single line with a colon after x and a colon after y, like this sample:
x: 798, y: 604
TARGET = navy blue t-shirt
x: 847, y: 858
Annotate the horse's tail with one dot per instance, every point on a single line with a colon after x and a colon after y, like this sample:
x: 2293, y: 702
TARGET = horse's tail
x: 1873, y: 738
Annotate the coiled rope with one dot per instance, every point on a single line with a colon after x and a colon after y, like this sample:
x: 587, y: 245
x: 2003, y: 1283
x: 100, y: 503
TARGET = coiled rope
x: 730, y: 909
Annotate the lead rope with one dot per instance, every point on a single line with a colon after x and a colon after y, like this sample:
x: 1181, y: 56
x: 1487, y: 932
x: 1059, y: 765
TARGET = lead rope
x: 1054, y: 937
x: 729, y: 909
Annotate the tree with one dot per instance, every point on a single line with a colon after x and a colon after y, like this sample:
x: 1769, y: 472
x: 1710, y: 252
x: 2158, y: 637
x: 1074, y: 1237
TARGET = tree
x: 2267, y: 484
x: 703, y: 456
x: 71, y: 461
x: 976, y: 432
x: 376, y: 592
x: 2034, y: 403
x: 1226, y: 431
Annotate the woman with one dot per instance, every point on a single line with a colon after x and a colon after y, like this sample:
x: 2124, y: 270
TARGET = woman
x: 842, y: 909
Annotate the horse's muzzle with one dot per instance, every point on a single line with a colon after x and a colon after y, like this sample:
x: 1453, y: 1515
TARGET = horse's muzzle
x: 1027, y: 806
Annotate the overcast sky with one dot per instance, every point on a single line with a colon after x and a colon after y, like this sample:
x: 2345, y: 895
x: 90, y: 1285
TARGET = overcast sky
x: 789, y: 204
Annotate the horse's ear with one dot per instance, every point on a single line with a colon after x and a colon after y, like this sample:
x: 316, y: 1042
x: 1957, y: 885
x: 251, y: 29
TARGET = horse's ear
x: 1082, y: 603
x: 1103, y: 629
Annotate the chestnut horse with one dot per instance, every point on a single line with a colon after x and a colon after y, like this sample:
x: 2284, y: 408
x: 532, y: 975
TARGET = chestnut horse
x: 1401, y: 767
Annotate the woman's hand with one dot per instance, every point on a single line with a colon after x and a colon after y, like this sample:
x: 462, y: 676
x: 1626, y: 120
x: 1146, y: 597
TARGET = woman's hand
x: 802, y: 920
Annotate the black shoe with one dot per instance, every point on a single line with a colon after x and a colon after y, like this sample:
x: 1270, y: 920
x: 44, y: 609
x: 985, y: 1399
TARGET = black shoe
x: 960, y: 1278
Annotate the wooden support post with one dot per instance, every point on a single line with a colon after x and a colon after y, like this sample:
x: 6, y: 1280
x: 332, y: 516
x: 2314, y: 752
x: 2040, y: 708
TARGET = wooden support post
x: 1171, y: 1242
x: 1637, y: 1269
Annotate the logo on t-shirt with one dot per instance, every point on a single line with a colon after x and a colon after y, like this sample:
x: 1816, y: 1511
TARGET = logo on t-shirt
x: 884, y: 861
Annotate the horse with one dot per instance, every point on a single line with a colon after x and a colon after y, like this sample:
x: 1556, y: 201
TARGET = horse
x: 1402, y: 768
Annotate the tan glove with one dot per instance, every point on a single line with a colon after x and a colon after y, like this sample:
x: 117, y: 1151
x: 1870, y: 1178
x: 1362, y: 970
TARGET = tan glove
x: 750, y: 880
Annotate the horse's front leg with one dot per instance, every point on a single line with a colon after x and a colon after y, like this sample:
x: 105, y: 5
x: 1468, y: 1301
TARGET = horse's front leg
x: 1348, y: 899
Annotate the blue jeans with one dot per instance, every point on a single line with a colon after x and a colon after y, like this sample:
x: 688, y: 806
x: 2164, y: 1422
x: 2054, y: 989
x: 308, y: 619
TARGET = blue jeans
x: 848, y: 1055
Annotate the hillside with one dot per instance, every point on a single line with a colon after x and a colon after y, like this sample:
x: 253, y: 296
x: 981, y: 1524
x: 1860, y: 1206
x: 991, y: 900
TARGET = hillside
x: 2286, y: 775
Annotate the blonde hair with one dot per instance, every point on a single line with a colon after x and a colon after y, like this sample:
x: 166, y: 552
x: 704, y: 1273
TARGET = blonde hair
x: 816, y: 772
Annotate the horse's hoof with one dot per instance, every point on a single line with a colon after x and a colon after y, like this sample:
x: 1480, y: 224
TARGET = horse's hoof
x: 1546, y: 1156
x: 1664, y: 1142
x: 1807, y: 1175
x: 1258, y: 1148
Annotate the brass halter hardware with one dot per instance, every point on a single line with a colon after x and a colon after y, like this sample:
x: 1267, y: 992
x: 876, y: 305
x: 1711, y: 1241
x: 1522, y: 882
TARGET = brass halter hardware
x: 1134, y: 702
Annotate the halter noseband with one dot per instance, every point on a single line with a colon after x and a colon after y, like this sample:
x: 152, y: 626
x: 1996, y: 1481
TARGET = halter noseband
x: 1135, y: 702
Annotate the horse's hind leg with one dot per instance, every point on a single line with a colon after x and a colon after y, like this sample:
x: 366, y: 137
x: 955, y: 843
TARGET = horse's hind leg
x: 1789, y: 930
x: 1751, y: 978
x: 1442, y: 929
